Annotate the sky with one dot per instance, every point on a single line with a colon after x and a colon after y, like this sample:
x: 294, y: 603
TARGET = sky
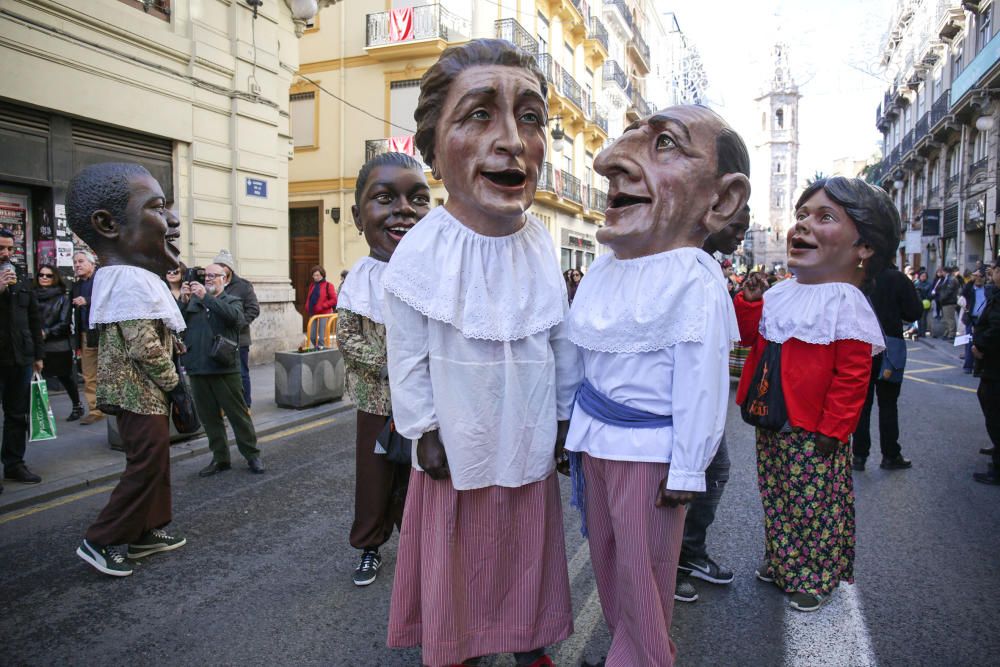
x: 833, y: 51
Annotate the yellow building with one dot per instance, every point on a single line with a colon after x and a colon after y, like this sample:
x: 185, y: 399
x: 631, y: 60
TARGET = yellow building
x: 195, y: 90
x: 357, y: 89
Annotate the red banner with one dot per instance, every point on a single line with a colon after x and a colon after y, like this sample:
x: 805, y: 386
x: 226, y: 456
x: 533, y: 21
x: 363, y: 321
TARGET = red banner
x: 403, y: 144
x: 400, y: 24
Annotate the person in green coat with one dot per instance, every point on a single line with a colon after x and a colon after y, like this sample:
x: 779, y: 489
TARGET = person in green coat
x: 213, y: 320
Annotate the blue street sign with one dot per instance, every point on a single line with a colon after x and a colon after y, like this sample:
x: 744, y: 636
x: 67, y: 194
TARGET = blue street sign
x: 256, y: 188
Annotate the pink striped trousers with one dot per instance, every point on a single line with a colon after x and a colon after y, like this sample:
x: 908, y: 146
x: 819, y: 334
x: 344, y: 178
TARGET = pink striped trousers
x: 634, y: 546
x: 480, y: 572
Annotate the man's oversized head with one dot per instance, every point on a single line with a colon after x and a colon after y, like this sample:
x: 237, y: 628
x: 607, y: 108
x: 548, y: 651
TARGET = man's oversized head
x: 674, y: 178
x: 120, y: 211
x: 481, y: 121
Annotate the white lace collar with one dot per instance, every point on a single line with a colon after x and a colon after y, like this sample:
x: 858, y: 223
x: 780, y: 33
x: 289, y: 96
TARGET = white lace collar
x: 819, y: 314
x: 362, y: 289
x: 500, y: 288
x: 123, y: 293
x: 647, y: 304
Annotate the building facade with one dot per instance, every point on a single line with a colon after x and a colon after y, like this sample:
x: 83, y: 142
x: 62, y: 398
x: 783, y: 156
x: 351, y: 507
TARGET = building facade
x: 195, y: 90
x: 774, y: 177
x: 938, y: 120
x: 358, y: 85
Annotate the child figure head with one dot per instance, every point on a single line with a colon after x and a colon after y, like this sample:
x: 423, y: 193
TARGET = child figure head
x: 391, y: 196
x: 846, y: 230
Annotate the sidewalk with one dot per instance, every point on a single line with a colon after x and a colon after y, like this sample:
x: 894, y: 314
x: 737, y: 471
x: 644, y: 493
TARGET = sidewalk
x: 81, y: 457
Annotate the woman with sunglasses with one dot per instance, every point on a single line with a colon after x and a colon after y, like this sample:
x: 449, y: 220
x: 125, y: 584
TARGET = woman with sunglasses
x: 55, y: 310
x: 175, y: 278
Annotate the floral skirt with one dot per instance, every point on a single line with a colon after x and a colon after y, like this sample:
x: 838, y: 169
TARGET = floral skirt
x: 808, y: 512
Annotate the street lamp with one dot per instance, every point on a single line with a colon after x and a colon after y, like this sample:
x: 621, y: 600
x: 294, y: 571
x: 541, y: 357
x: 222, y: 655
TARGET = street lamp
x: 558, y: 134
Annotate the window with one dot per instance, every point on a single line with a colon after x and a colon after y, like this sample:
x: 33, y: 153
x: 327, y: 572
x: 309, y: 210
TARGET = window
x: 980, y: 146
x: 158, y: 8
x: 936, y: 84
x: 956, y: 60
x: 935, y: 174
x: 302, y: 118
x: 777, y: 167
x: 779, y: 199
x: 567, y: 152
x: 567, y: 57
x: 543, y: 34
x: 763, y: 121
x: 983, y: 29
x: 779, y: 119
x: 920, y: 102
x: 403, y: 96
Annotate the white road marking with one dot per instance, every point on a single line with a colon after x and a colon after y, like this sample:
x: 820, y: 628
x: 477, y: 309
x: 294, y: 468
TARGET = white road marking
x: 571, y: 650
x: 835, y: 636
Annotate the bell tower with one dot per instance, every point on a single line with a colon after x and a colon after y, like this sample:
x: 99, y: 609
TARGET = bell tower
x: 775, y: 161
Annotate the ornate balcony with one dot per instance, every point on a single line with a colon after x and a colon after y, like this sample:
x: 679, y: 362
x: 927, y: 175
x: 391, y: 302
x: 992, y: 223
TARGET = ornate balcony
x: 596, y: 43
x: 640, y: 51
x: 400, y: 144
x: 978, y: 166
x: 598, y: 199
x: 516, y: 34
x: 613, y: 73
x: 424, y: 31
x: 907, y: 143
x: 939, y: 110
x: 568, y: 186
x: 545, y: 181
x: 951, y: 182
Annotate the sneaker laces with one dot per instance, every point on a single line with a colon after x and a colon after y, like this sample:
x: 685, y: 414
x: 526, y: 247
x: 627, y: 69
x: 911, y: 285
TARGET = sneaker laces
x: 160, y: 533
x: 115, y: 555
x: 368, y: 560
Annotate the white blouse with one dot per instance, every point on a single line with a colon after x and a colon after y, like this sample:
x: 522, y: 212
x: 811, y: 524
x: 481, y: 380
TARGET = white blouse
x: 362, y: 290
x: 473, y: 353
x: 683, y: 373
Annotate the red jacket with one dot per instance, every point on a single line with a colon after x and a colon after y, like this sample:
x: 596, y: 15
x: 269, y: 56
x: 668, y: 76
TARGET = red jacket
x: 327, y: 302
x: 824, y: 385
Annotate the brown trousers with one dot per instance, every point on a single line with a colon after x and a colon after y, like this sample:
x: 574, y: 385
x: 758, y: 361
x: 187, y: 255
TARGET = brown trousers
x: 141, y: 501
x: 88, y: 366
x: 379, y: 488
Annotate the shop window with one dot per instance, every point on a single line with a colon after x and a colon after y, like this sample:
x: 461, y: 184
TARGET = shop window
x: 303, y: 118
x: 158, y: 8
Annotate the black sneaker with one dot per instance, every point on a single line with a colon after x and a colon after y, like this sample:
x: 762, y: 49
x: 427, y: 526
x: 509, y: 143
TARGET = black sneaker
x: 858, y: 464
x: 705, y: 569
x: 108, y: 560
x: 763, y: 572
x: 685, y: 590
x: 989, y: 477
x: 154, y: 541
x: 368, y: 568
x: 896, y: 463
x: 807, y: 601
x: 20, y: 473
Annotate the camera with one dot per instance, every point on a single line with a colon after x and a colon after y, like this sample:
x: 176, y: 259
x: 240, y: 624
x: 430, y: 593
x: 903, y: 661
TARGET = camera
x: 195, y: 274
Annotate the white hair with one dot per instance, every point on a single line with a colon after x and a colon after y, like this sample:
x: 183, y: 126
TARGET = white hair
x: 86, y: 253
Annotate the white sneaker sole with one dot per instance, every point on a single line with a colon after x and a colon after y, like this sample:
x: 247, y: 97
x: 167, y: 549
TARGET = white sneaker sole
x: 366, y: 581
x: 681, y: 598
x: 698, y: 574
x: 97, y: 566
x: 796, y: 607
x: 135, y: 555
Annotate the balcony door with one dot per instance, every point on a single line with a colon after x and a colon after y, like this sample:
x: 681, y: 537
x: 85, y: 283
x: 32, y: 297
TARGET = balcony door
x: 303, y: 250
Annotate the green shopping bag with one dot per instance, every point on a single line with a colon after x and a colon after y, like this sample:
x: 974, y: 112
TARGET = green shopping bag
x: 43, y: 422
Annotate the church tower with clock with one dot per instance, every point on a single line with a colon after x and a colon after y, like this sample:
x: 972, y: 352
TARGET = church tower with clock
x: 774, y: 170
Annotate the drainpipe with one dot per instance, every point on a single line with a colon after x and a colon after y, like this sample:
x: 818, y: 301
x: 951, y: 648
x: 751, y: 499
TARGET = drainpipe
x: 962, y: 182
x: 343, y: 95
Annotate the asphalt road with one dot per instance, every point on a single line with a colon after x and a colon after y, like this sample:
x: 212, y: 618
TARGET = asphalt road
x: 265, y: 578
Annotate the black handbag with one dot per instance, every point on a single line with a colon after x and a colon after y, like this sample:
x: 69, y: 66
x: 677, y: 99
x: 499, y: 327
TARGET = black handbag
x: 397, y: 448
x: 182, y: 411
x: 224, y: 350
x: 764, y: 406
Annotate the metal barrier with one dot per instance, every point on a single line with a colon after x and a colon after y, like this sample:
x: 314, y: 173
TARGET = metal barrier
x: 328, y: 324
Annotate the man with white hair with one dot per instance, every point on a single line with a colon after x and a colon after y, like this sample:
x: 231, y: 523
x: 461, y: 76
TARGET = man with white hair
x: 84, y: 266
x: 243, y: 290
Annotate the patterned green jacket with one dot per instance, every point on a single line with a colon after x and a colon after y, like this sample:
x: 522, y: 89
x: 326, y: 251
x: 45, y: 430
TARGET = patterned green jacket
x: 135, y: 367
x: 362, y: 342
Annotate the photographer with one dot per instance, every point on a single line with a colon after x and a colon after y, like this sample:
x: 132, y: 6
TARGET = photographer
x: 212, y: 361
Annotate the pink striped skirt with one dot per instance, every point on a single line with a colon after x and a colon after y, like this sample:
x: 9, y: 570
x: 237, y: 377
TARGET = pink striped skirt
x: 634, y: 547
x: 480, y: 572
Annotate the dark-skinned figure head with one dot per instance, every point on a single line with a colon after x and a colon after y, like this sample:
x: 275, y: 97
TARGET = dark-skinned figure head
x: 846, y: 230
x: 390, y: 197
x: 481, y: 120
x: 120, y: 211
x: 729, y: 238
x: 674, y: 178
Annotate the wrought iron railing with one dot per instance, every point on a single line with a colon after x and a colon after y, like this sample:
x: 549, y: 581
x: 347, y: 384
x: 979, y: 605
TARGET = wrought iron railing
x: 614, y: 72
x: 546, y: 64
x: 623, y: 9
x: 515, y: 33
x: 923, y: 125
x: 934, y: 192
x: 569, y: 186
x: 571, y: 89
x: 940, y: 108
x: 429, y: 22
x: 640, y: 45
x: 596, y: 30
x: 545, y: 180
x: 638, y: 102
x: 979, y: 164
x: 907, y: 143
x: 375, y: 147
x: 894, y: 157
x: 598, y: 199
x: 951, y: 181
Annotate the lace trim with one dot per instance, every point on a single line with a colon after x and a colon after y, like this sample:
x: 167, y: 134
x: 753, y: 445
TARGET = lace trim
x: 647, y: 304
x: 489, y: 288
x: 123, y: 293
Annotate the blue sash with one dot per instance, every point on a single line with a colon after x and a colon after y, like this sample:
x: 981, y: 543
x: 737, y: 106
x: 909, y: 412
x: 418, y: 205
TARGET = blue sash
x: 606, y: 411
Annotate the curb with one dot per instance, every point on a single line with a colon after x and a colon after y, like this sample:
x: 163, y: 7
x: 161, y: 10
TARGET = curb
x: 180, y: 451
